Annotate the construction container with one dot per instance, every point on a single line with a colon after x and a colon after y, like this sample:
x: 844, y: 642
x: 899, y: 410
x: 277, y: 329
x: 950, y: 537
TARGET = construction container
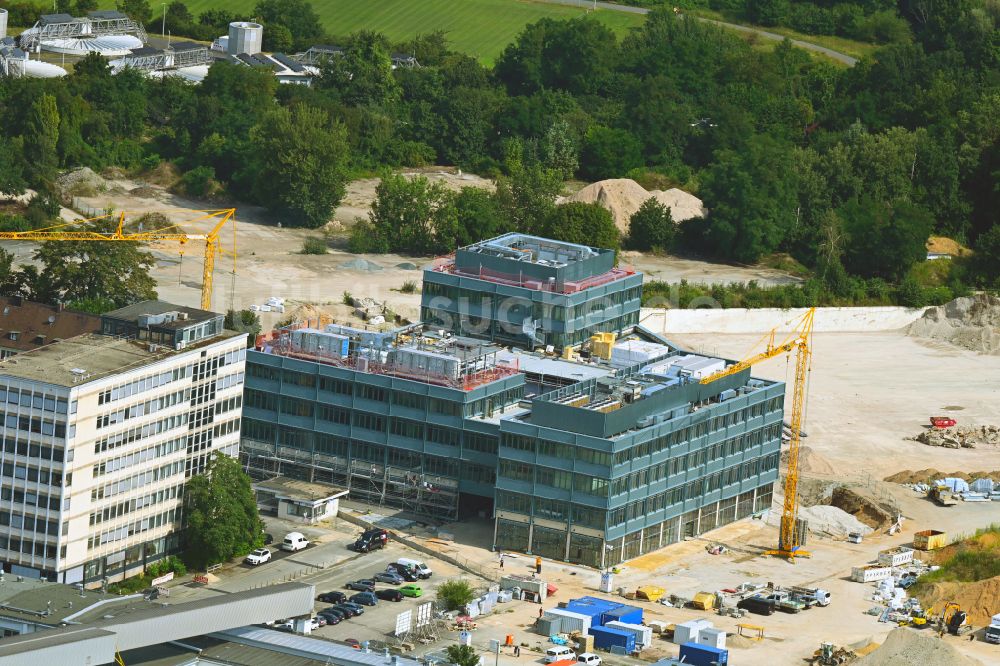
x: 712, y: 637
x: 643, y: 634
x: 549, y: 625
x: 606, y: 638
x: 627, y: 614
x: 571, y: 621
x: 703, y: 655
x: 703, y: 601
x: 895, y: 557
x: 592, y: 606
x: 870, y: 573
x: 687, y: 632
x: 930, y: 540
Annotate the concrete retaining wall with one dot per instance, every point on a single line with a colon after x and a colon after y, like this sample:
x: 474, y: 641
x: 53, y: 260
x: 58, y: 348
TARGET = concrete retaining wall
x: 740, y: 320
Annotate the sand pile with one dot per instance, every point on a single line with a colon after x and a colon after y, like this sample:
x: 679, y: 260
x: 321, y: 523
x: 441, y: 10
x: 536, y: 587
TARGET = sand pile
x: 811, y: 462
x: 80, y: 182
x: 968, y: 322
x: 862, y: 508
x: 981, y: 599
x: 961, y: 437
x: 931, y: 474
x: 623, y: 197
x: 906, y: 647
x: 825, y: 519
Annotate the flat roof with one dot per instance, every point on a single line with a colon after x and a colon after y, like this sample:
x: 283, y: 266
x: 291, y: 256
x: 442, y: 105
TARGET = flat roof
x: 88, y: 358
x: 131, y: 313
x: 52, y: 603
x: 534, y: 249
x: 299, y: 490
x: 537, y: 364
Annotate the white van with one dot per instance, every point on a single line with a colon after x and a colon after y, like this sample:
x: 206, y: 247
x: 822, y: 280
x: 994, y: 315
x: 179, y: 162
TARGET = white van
x: 589, y: 659
x: 294, y: 541
x: 417, y: 567
x: 558, y: 653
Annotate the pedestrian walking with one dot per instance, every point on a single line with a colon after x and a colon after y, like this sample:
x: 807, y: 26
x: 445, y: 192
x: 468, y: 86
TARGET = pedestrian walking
x: 517, y: 650
x: 540, y: 611
x: 501, y: 560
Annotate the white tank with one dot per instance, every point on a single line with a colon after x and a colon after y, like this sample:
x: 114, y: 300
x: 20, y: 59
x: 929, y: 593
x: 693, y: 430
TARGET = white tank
x: 244, y: 37
x: 3, y: 23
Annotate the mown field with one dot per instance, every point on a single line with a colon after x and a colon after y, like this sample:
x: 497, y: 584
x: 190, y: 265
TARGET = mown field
x: 481, y: 28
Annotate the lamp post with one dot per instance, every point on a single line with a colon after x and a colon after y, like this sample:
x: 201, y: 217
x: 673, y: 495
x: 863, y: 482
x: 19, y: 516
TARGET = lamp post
x: 163, y: 25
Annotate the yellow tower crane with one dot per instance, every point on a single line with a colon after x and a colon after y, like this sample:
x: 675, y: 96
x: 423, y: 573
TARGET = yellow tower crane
x: 798, y: 341
x: 170, y: 234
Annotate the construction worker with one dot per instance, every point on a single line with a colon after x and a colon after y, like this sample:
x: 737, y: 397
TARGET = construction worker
x: 538, y: 565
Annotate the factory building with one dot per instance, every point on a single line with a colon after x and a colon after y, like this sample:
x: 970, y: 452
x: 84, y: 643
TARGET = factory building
x: 530, y: 292
x: 610, y: 449
x: 100, y: 432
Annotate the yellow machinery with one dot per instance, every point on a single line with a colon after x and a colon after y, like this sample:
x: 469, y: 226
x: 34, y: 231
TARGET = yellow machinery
x: 170, y: 234
x: 798, y: 341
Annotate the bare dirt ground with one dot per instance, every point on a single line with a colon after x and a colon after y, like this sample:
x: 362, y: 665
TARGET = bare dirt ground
x: 269, y: 260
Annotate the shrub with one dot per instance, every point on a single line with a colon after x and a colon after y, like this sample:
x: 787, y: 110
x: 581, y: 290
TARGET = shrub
x: 347, y: 299
x: 455, y: 594
x: 198, y: 181
x: 409, y: 287
x: 314, y: 245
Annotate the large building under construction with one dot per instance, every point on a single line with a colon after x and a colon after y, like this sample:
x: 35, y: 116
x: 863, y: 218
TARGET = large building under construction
x: 593, y: 454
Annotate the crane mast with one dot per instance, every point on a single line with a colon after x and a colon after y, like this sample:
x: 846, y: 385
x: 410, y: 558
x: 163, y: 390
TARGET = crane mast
x: 799, y: 342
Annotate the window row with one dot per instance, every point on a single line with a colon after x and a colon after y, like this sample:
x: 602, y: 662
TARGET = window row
x: 140, y: 432
x: 47, y: 403
x: 137, y: 527
x: 35, y: 475
x: 127, y: 507
x: 137, y: 481
x: 139, y: 457
x: 24, y: 448
x: 30, y: 498
x: 143, y: 408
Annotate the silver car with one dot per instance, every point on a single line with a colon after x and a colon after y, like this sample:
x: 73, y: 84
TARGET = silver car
x: 389, y: 577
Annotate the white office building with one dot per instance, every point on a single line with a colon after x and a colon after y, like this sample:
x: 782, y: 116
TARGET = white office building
x: 100, y: 432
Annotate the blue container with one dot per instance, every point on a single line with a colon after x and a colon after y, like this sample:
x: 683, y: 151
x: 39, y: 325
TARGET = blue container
x: 702, y: 655
x: 627, y: 614
x: 606, y: 638
x: 592, y: 607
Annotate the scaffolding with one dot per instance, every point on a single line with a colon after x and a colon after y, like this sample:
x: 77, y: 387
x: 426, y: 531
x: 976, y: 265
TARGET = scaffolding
x: 175, y: 56
x: 95, y: 24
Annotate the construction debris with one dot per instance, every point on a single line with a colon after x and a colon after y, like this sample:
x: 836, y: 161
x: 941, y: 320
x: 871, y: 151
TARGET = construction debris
x: 961, y: 437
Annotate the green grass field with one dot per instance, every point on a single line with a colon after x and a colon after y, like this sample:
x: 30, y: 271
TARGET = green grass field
x: 481, y: 28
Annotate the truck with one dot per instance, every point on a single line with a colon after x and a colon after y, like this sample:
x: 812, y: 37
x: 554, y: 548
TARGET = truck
x: 942, y: 495
x: 785, y: 602
x: 814, y: 596
x: 992, y: 633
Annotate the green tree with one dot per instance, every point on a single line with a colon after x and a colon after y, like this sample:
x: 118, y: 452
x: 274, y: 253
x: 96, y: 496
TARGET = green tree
x: 609, y: 153
x: 412, y: 214
x: 117, y: 271
x: 362, y: 74
x: 987, y: 258
x: 179, y: 18
x: 220, y: 514
x: 651, y: 227
x: 462, y: 655
x: 300, y: 166
x: 137, y: 10
x: 244, y: 321
x: 298, y: 16
x: 526, y: 195
x: 583, y: 223
x: 455, y: 594
x: 558, y: 150
x: 478, y: 216
x: 884, y: 240
x: 11, y: 167
x: 41, y: 140
x: 84, y: 6
x: 278, y: 39
x: 767, y: 12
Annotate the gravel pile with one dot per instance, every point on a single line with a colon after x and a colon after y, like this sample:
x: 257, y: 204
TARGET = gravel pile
x: 825, y: 519
x: 623, y: 197
x: 961, y: 437
x: 968, y: 322
x: 906, y: 647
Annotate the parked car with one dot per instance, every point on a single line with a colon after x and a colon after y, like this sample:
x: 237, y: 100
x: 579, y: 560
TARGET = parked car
x: 588, y: 659
x: 334, y: 597
x: 365, y: 598
x: 363, y: 585
x: 404, y: 571
x: 389, y: 594
x: 337, y: 611
x: 284, y: 625
x: 411, y: 590
x: 353, y: 642
x: 258, y: 556
x: 558, y: 653
x: 315, y: 623
x: 758, y: 605
x: 331, y: 618
x: 372, y: 539
x: 357, y: 608
x: 294, y: 541
x: 389, y: 577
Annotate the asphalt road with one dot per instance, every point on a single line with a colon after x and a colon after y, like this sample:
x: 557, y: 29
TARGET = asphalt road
x: 836, y: 55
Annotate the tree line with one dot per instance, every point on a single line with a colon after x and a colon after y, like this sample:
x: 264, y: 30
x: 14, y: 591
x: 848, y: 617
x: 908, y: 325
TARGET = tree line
x: 847, y: 171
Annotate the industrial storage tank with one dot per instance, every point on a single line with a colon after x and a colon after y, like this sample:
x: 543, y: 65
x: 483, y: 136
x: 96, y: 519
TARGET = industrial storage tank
x: 244, y: 37
x: 3, y: 23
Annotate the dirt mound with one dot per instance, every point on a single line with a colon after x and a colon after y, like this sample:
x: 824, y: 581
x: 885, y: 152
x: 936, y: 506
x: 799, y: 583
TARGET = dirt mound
x: 961, y: 437
x: 944, y: 245
x: 931, y: 474
x: 683, y: 206
x: 623, y: 196
x: 811, y: 462
x: 80, y: 182
x: 862, y: 508
x: 968, y: 322
x: 906, y: 647
x: 825, y: 519
x: 740, y: 642
x: 981, y: 599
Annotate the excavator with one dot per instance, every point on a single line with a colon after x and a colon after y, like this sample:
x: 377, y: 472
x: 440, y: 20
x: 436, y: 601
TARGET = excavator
x: 952, y: 619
